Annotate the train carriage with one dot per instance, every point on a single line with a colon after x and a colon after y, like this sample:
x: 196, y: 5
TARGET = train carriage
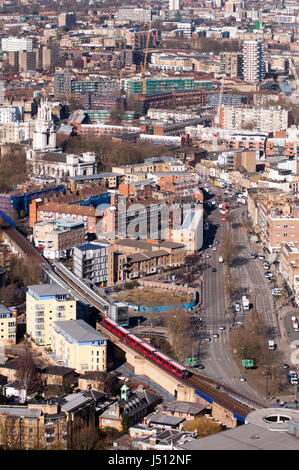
x: 115, y: 328
x: 145, y: 348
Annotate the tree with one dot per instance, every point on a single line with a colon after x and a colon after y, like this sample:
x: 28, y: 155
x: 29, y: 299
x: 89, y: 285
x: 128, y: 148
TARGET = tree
x: 179, y: 326
x: 27, y: 373
x: 203, y: 426
x: 24, y: 273
x: 126, y: 423
x: 85, y: 437
x: 12, y: 168
x: 12, y: 295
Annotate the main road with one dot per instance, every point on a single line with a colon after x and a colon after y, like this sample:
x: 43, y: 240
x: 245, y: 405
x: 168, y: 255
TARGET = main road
x: 215, y: 354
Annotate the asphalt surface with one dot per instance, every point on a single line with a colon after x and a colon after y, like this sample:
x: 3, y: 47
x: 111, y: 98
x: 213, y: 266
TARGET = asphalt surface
x: 215, y: 354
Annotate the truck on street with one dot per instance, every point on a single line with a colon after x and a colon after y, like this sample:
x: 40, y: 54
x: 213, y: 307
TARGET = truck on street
x: 245, y: 302
x: 292, y: 377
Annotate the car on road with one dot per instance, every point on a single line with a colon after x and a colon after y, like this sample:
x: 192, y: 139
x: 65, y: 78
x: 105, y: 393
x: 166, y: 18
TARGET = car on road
x: 208, y: 338
x: 261, y: 256
x: 207, y: 266
x: 214, y: 248
x: 215, y: 335
x: 221, y: 327
x: 217, y: 242
x: 208, y: 255
x: 242, y: 379
x: 285, y: 366
x: 253, y: 255
x: 268, y: 274
x: 214, y: 270
x: 266, y: 266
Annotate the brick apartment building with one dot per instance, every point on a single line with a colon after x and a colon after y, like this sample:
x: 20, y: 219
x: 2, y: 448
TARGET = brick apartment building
x: 279, y: 226
x: 49, y: 211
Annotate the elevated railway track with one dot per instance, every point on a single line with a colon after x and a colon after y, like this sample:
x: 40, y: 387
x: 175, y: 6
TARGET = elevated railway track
x: 205, y: 387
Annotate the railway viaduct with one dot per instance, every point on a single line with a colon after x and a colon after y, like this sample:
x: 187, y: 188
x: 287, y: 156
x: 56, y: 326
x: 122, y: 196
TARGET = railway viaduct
x: 221, y: 407
x: 180, y: 389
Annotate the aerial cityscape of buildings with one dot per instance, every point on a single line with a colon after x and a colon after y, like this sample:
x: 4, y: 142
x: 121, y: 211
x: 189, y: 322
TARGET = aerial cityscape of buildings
x: 149, y: 225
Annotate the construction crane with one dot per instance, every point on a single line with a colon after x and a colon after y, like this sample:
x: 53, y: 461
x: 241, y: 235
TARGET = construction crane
x: 217, y: 118
x: 144, y: 65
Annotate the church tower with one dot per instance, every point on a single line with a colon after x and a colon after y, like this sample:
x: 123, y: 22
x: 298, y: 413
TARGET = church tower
x: 44, y: 137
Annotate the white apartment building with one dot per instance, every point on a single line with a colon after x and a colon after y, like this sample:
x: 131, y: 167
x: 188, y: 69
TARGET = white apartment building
x: 253, y: 61
x: 13, y: 44
x: 174, y: 4
x: 170, y: 114
x: 46, y: 304
x: 190, y: 233
x: 266, y: 120
x: 10, y: 114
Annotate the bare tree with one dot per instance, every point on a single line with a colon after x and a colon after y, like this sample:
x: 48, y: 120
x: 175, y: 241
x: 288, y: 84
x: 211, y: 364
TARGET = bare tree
x: 179, y: 327
x: 27, y: 373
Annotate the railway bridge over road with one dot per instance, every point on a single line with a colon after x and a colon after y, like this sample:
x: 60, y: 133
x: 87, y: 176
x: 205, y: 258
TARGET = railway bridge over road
x: 197, y: 388
x: 226, y: 410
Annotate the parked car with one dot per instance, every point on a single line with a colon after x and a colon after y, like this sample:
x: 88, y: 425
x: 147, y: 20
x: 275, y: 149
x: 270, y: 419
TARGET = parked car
x: 208, y: 338
x: 221, y: 327
x: 215, y: 335
x: 242, y: 379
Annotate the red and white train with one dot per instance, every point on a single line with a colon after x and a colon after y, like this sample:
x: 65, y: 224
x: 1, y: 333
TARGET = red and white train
x: 145, y: 348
